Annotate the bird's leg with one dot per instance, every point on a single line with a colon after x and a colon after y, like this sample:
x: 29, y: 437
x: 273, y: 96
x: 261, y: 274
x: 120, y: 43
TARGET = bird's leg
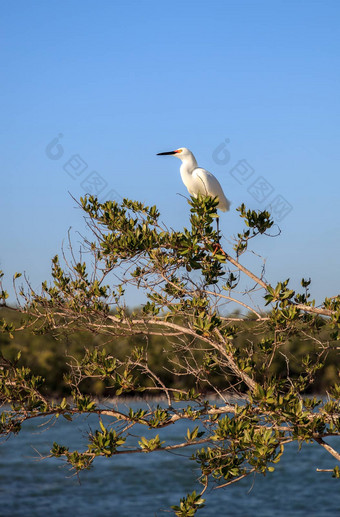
x: 217, y: 245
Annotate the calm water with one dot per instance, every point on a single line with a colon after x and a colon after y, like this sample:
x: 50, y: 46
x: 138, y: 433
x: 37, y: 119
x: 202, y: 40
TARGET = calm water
x: 139, y: 485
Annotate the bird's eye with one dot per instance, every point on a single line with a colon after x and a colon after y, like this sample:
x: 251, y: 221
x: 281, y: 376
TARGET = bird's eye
x: 178, y: 150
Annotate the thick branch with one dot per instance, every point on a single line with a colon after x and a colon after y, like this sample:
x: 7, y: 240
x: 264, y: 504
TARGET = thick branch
x: 186, y: 330
x: 328, y: 448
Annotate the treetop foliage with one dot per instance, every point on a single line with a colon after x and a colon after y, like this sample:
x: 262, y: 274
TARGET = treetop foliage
x: 190, y: 280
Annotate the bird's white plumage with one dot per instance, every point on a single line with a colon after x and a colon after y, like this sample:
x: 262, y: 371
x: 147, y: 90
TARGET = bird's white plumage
x: 198, y: 180
x: 205, y: 183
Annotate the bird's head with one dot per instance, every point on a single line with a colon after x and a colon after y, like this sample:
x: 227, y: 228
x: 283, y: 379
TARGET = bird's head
x: 182, y: 153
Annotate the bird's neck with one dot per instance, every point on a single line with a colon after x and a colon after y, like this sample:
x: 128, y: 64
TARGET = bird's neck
x: 188, y: 164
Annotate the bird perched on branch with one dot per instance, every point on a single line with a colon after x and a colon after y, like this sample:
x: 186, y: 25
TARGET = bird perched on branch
x: 198, y: 180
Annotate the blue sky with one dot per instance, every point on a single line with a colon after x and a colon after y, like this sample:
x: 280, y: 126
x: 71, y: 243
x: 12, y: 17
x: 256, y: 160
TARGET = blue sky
x: 124, y: 80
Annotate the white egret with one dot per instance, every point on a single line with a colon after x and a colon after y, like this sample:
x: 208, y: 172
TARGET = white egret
x: 198, y: 180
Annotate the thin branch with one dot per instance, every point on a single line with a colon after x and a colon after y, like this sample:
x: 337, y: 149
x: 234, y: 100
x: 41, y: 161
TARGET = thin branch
x: 235, y: 480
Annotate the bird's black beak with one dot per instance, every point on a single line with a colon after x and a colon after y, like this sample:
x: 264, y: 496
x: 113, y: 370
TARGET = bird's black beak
x: 170, y: 152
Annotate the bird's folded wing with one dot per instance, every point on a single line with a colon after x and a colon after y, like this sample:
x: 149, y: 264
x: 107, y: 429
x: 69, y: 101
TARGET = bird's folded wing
x: 208, y: 185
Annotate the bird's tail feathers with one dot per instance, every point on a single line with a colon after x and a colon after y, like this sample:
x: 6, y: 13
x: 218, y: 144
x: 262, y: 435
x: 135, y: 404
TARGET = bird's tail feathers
x: 224, y: 205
